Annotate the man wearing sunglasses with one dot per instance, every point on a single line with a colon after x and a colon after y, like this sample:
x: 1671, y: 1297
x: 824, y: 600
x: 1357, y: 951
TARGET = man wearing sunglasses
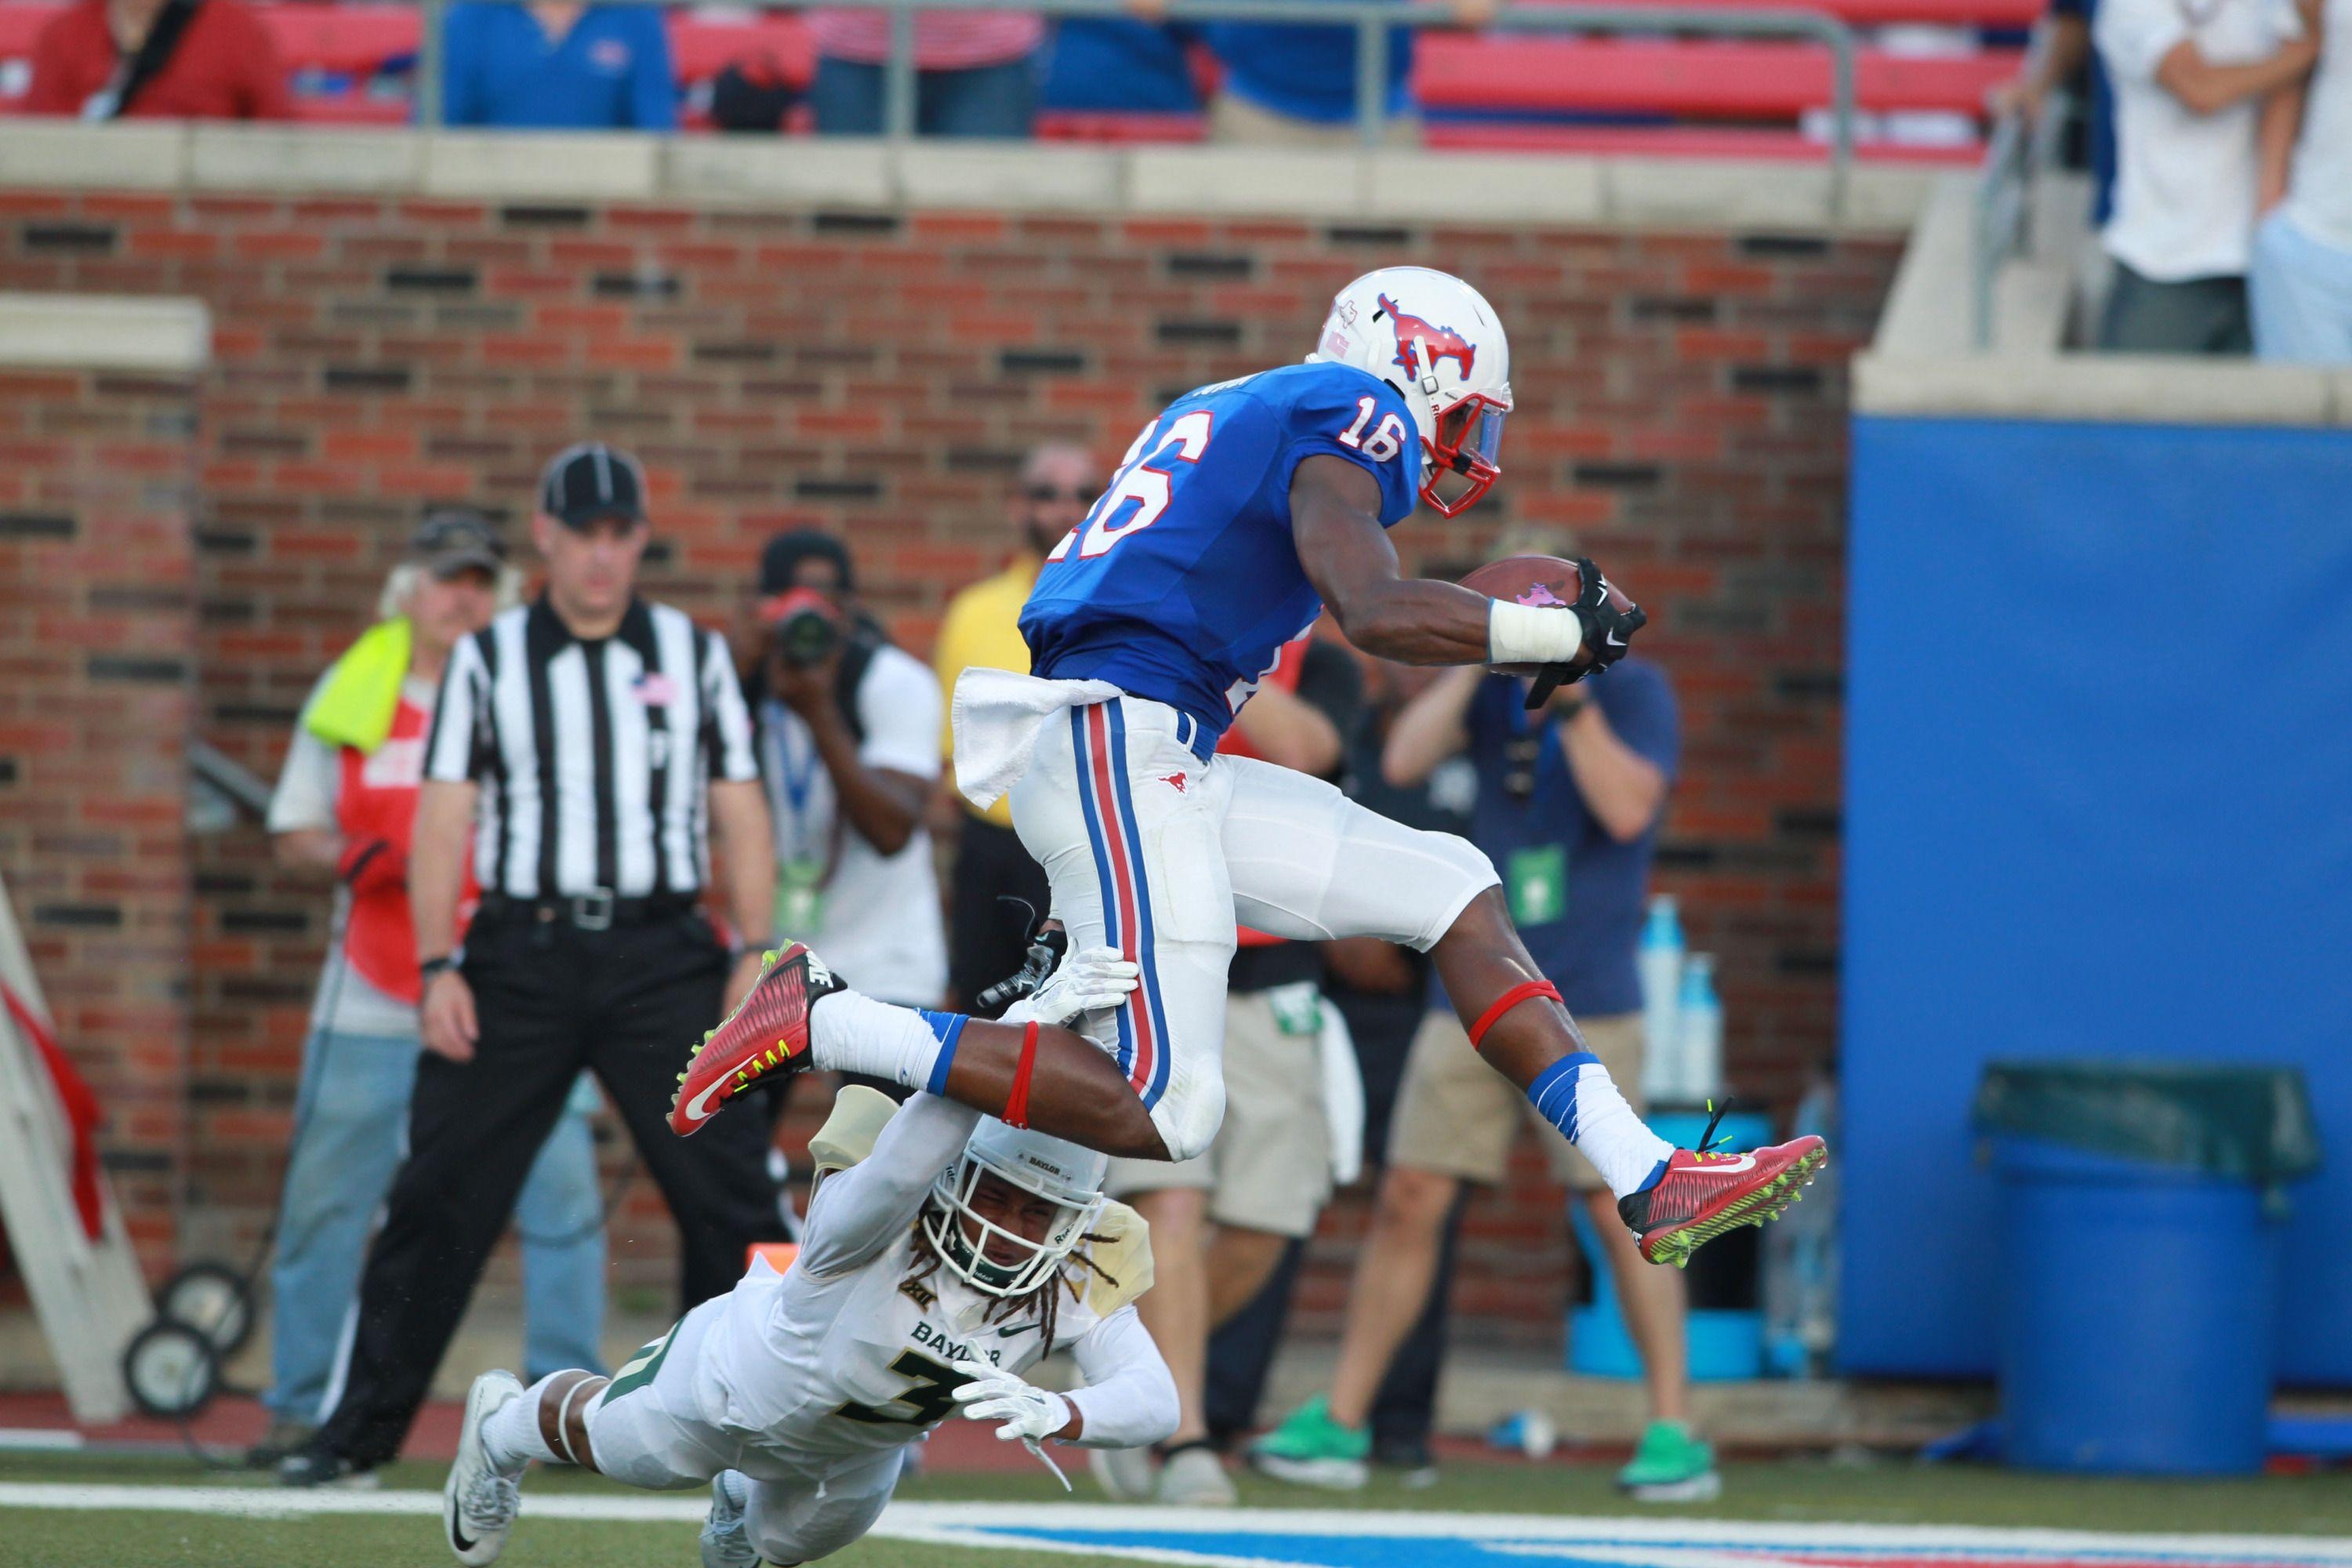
x: 986, y: 936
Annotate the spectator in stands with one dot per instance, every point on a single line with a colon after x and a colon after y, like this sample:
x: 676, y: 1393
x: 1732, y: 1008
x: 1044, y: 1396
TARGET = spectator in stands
x: 1292, y: 85
x: 849, y: 732
x: 346, y: 804
x: 2197, y: 88
x: 1118, y: 65
x: 993, y: 877
x: 1567, y: 808
x: 2301, y: 284
x: 975, y: 71
x: 1221, y: 1222
x: 557, y: 67
x: 160, y: 59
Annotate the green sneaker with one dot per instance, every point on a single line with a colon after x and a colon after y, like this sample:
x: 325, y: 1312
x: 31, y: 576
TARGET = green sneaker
x: 1670, y: 1466
x: 1311, y: 1449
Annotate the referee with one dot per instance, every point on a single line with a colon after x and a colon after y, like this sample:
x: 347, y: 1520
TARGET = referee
x: 582, y: 747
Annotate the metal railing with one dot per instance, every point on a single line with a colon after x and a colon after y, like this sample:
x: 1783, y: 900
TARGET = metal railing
x: 2019, y: 151
x: 1371, y: 20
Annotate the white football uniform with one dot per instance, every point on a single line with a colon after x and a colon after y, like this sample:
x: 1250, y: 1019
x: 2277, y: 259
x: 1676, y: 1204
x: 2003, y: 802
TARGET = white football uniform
x: 1157, y: 850
x: 811, y: 1383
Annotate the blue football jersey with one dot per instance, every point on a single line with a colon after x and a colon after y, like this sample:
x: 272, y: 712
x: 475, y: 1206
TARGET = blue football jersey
x: 1183, y: 584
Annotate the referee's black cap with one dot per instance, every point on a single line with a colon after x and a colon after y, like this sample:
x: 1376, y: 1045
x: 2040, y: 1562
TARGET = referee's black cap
x: 592, y: 481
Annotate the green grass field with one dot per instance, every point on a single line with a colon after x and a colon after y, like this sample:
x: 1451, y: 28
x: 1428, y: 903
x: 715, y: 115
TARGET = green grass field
x: 1891, y: 1492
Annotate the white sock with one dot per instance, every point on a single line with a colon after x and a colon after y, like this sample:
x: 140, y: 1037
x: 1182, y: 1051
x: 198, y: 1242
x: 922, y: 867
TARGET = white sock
x: 911, y: 1046
x: 510, y: 1435
x: 1577, y: 1096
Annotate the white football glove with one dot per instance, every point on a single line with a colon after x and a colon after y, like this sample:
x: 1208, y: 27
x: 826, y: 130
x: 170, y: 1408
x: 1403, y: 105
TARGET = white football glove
x: 1086, y: 983
x: 1028, y: 1413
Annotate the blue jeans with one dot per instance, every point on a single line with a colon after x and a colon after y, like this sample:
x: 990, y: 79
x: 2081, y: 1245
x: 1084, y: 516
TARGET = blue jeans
x: 985, y: 100
x: 351, y: 1117
x: 2300, y: 290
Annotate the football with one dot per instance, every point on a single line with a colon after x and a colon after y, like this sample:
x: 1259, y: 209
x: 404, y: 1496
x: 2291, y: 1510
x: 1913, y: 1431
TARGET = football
x: 1541, y: 580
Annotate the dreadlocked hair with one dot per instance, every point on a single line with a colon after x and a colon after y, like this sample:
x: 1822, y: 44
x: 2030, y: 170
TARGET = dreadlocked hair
x: 1045, y: 1300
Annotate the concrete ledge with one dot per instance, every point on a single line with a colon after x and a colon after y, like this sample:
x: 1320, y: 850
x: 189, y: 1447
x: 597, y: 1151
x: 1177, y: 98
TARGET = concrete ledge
x: 1389, y: 185
x: 99, y: 331
x: 1924, y: 361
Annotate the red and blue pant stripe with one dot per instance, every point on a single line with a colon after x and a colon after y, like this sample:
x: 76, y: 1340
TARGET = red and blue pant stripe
x: 1099, y: 741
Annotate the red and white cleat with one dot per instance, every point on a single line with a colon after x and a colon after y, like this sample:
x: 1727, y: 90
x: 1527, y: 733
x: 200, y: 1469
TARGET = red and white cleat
x: 768, y: 1033
x: 1702, y: 1195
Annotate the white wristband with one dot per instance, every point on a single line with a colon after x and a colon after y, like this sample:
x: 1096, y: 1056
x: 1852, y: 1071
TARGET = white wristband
x: 1532, y: 634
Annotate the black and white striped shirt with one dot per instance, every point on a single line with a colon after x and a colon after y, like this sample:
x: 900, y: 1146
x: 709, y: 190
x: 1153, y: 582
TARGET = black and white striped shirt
x: 594, y: 759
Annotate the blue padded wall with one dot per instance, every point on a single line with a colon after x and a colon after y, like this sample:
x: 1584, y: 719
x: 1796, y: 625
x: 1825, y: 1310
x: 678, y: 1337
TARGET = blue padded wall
x: 2098, y: 803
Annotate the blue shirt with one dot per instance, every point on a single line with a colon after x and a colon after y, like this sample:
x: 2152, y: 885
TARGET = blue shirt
x: 1588, y: 951
x: 1114, y: 64
x: 1308, y: 73
x: 610, y: 72
x: 1183, y: 583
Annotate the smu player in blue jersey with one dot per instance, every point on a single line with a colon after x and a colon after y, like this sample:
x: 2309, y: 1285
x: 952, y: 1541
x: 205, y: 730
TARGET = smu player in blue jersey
x: 1234, y: 518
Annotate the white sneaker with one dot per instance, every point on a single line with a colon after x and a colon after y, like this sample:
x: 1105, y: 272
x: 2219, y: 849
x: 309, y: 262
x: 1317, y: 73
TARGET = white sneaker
x: 726, y: 1544
x: 477, y: 1503
x: 1196, y: 1478
x: 1123, y: 1473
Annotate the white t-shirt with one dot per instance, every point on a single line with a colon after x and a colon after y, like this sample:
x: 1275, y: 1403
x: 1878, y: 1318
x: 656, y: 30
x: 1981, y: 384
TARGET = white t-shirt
x: 879, y: 927
x: 2319, y: 190
x: 2185, y: 183
x: 308, y: 786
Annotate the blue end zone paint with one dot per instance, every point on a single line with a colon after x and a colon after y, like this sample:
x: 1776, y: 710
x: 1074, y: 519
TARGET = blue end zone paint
x: 1290, y: 1538
x: 2097, y: 764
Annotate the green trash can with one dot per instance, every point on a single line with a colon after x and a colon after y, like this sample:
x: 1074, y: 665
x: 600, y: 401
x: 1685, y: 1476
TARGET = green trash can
x: 2140, y: 1225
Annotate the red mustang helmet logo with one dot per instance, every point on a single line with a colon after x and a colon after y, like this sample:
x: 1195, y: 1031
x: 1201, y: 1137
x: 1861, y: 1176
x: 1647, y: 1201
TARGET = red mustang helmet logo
x: 1416, y: 339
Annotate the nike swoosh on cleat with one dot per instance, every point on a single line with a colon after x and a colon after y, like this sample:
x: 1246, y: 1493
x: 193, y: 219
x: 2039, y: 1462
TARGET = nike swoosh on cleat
x: 1729, y: 1165
x: 696, y: 1109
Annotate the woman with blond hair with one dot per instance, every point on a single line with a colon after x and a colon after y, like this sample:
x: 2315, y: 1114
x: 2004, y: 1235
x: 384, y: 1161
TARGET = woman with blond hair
x: 344, y: 805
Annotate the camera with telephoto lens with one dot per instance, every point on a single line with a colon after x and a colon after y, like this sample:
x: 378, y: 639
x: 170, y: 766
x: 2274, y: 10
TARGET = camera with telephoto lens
x: 803, y: 627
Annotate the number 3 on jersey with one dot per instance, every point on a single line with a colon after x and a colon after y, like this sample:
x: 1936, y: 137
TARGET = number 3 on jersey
x: 1137, y: 480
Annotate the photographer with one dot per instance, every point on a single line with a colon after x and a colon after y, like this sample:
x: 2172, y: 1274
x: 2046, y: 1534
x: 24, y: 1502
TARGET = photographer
x: 849, y: 750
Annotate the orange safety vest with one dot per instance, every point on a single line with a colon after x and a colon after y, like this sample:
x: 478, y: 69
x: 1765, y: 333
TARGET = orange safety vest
x: 377, y: 799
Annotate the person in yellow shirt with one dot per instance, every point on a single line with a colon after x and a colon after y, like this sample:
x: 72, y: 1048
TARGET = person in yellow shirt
x: 987, y: 935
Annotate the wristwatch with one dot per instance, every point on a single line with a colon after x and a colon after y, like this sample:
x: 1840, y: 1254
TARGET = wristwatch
x: 737, y: 950
x: 433, y: 968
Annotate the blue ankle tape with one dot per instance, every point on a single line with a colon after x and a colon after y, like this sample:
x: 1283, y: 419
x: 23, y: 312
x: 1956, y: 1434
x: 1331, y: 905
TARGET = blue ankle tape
x: 949, y: 1027
x: 1553, y: 1093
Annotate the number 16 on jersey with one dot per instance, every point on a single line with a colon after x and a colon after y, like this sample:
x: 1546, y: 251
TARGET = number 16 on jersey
x: 1150, y: 486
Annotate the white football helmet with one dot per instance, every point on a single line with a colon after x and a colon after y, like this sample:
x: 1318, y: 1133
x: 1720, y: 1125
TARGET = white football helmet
x: 1055, y: 1169
x: 1435, y: 340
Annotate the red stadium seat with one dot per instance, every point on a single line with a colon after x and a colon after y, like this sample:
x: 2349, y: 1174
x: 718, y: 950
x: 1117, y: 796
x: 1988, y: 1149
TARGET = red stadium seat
x: 700, y: 50
x: 1697, y: 80
x: 1679, y: 141
x: 1091, y: 125
x: 2009, y: 15
x: 348, y: 40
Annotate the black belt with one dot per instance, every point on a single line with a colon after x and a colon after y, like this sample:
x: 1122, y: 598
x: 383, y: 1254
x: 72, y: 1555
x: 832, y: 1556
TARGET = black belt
x: 599, y: 910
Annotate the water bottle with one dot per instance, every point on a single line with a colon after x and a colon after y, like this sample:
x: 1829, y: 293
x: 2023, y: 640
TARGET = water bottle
x: 1800, y: 1283
x: 1660, y: 963
x: 1698, y: 1025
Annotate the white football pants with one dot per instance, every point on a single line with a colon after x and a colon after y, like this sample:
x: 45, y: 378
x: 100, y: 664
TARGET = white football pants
x: 1157, y: 852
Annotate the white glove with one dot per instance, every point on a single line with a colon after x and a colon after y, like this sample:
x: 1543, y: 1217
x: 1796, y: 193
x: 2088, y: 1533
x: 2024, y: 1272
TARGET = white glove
x: 1028, y: 1413
x: 1086, y: 983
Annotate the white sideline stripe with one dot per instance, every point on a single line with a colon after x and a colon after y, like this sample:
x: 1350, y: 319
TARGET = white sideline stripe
x: 972, y: 1523
x: 39, y: 1440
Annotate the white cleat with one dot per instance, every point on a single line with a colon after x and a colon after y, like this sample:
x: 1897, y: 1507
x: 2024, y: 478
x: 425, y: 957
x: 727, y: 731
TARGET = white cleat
x: 1124, y: 1474
x: 1196, y: 1478
x: 478, y: 1504
x: 726, y: 1542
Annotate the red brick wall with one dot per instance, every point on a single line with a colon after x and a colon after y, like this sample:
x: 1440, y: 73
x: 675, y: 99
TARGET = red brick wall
x: 98, y: 641
x: 1681, y: 396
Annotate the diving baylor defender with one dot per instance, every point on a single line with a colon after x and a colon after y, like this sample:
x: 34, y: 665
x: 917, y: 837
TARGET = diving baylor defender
x: 1239, y: 513
x: 931, y: 1273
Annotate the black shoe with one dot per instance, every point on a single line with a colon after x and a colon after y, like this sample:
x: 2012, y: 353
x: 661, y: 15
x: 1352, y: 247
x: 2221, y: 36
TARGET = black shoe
x: 314, y: 1467
x: 284, y: 1438
x: 1409, y: 1461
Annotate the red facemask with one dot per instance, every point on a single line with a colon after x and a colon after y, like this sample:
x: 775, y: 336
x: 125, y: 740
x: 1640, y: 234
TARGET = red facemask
x: 1464, y: 453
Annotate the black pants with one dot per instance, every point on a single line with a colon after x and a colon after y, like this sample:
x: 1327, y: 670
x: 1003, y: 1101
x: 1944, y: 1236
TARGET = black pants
x: 988, y: 935
x: 550, y: 999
